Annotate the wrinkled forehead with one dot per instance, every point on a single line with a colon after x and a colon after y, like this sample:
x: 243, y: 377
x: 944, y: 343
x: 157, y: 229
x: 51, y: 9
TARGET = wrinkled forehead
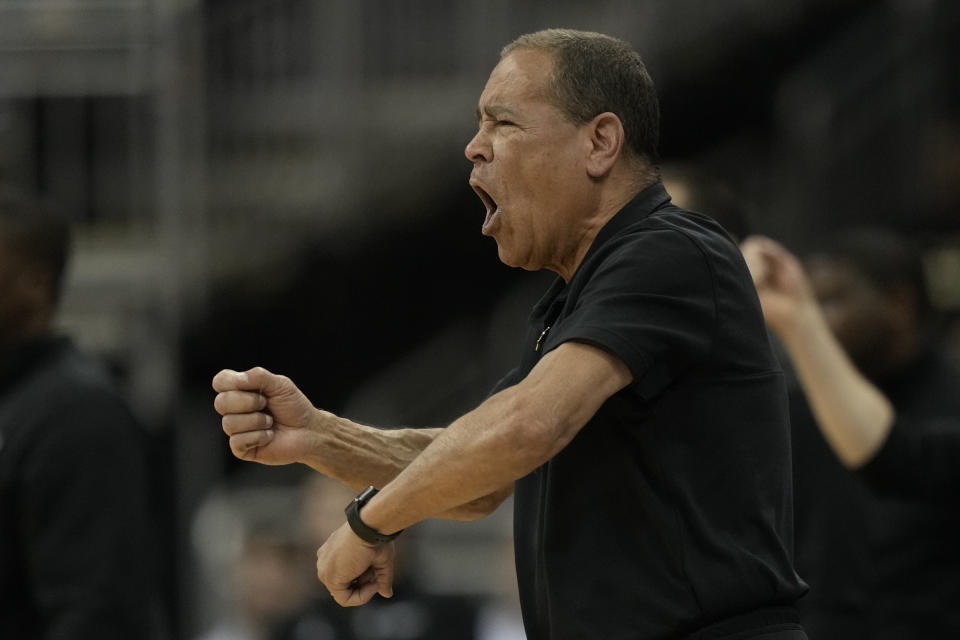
x: 520, y: 76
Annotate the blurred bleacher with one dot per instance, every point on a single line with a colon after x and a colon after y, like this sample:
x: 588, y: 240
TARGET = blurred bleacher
x: 199, y: 143
x: 199, y: 140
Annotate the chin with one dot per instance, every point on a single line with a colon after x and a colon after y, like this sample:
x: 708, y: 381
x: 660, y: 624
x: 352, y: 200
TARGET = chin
x: 509, y: 260
x: 504, y: 257
x: 514, y: 263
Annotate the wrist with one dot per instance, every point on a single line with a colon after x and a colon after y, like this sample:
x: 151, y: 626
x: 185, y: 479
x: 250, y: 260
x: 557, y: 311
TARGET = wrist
x: 368, y: 534
x: 318, y: 438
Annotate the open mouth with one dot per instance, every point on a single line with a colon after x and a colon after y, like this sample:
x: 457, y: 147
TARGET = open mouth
x: 492, y: 208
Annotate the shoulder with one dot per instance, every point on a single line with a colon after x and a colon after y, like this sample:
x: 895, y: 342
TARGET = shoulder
x: 671, y: 231
x: 71, y: 396
x: 669, y: 249
x: 701, y: 234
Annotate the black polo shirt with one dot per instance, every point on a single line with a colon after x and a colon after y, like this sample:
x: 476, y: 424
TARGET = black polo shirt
x: 669, y: 514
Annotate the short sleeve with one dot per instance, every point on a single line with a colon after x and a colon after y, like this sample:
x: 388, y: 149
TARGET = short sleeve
x: 650, y: 302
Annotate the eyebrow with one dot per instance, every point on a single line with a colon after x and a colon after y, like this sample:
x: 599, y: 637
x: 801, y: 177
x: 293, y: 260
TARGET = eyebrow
x: 495, y: 111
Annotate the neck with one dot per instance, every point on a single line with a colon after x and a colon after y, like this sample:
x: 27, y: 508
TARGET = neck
x: 609, y: 201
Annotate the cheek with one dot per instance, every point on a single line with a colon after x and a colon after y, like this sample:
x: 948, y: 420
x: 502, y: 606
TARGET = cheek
x: 555, y: 169
x: 537, y: 197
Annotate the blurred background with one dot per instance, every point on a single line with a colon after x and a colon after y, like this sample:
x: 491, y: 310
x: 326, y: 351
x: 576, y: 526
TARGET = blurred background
x: 282, y: 183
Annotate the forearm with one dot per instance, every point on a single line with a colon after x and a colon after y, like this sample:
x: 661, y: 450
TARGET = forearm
x: 360, y: 455
x: 474, y: 457
x: 512, y: 433
x: 853, y: 415
x: 270, y: 421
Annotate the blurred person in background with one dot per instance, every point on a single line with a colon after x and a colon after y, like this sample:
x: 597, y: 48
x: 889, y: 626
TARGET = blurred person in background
x: 76, y: 557
x: 644, y: 432
x: 698, y: 189
x: 876, y: 423
x: 255, y: 556
x: 255, y: 541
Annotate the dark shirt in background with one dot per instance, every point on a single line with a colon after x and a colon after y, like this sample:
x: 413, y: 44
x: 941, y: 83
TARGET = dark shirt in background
x: 76, y: 556
x: 879, y: 547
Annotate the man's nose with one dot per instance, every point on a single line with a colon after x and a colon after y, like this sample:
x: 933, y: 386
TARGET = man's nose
x: 479, y: 149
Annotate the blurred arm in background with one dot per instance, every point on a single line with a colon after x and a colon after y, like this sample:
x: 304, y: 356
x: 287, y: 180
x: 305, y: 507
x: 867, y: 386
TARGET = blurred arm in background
x: 853, y: 414
x: 849, y: 336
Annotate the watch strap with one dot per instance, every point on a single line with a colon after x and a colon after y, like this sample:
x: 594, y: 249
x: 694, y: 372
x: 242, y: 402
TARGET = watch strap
x: 363, y: 531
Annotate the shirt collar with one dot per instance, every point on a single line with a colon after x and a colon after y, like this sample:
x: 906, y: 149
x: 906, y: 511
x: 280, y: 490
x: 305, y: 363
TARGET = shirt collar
x: 642, y: 205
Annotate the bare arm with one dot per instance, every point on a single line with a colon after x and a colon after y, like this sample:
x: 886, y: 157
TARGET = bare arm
x: 270, y: 421
x: 344, y: 447
x: 509, y: 435
x: 505, y: 438
x: 854, y: 416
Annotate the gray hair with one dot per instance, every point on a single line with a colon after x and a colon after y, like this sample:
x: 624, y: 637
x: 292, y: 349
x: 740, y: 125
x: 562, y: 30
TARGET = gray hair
x: 594, y: 73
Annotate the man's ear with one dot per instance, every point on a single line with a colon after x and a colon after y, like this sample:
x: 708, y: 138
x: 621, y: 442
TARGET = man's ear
x: 606, y: 138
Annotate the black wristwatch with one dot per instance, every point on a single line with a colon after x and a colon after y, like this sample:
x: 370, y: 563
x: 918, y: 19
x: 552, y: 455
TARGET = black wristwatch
x: 365, y: 533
